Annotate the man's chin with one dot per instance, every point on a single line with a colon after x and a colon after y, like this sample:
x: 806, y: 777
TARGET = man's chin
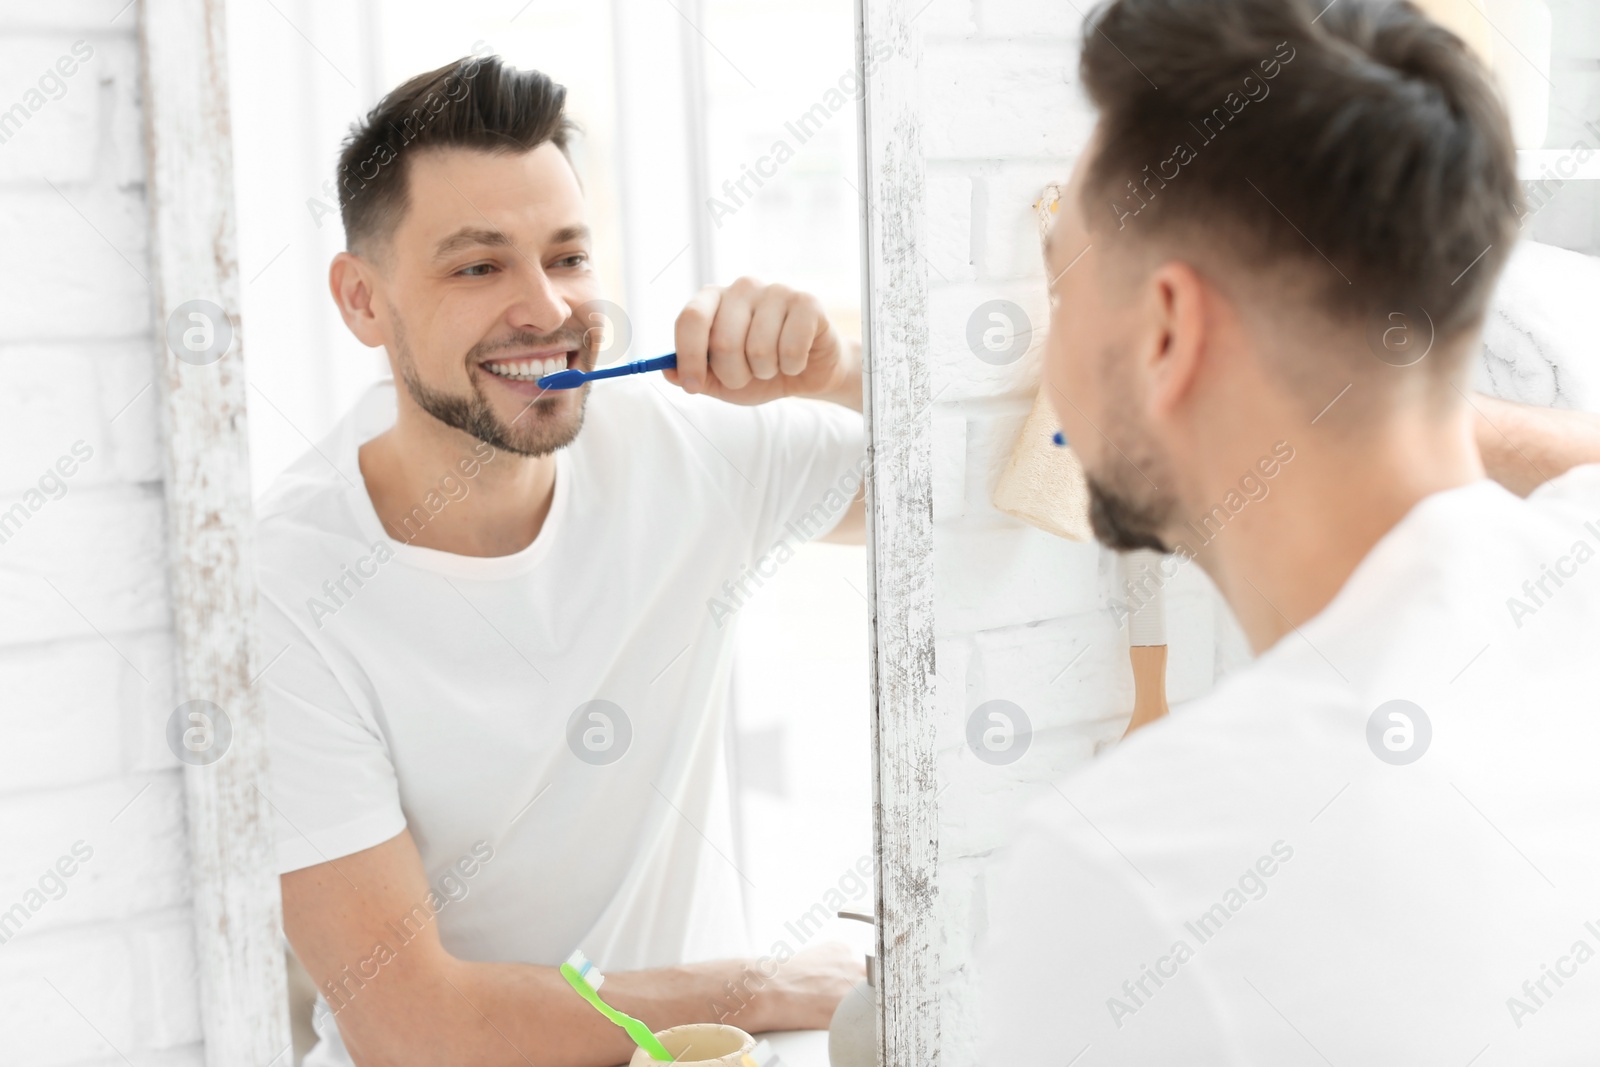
x: 535, y: 426
x: 541, y: 426
x: 1121, y: 525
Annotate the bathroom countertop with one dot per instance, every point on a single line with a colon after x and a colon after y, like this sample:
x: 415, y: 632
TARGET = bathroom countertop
x: 800, y: 1048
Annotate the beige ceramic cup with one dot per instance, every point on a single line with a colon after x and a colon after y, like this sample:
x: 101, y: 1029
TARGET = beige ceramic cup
x: 700, y: 1045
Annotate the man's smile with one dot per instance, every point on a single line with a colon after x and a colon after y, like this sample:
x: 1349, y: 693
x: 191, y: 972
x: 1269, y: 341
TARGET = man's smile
x: 531, y: 366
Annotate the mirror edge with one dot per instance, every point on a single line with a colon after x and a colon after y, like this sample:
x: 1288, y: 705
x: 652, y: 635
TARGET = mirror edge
x: 899, y: 422
x: 210, y: 531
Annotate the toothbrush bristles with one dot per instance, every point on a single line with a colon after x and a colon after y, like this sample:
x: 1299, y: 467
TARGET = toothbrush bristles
x: 586, y: 969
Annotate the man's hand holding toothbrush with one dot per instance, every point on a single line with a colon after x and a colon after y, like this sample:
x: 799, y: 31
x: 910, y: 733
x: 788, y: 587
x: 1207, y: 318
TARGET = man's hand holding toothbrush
x: 749, y: 343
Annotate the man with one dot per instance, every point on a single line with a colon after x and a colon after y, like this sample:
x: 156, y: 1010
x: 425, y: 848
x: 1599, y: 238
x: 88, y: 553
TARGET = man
x: 1377, y: 844
x: 497, y: 724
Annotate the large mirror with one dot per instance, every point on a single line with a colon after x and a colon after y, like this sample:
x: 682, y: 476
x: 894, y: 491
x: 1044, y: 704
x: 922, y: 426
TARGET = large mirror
x: 462, y: 605
x: 627, y: 716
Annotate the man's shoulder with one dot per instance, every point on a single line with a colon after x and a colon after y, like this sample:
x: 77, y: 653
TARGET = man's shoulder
x: 1256, y: 742
x: 1577, y: 488
x: 308, y: 516
x: 320, y: 480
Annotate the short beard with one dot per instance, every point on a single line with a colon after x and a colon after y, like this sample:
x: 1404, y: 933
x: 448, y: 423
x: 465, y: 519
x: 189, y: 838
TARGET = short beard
x: 1124, y: 524
x: 474, y: 415
x: 1127, y: 510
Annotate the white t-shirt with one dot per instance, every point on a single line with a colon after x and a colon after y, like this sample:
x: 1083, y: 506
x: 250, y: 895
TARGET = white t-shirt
x: 1273, y: 893
x: 452, y: 694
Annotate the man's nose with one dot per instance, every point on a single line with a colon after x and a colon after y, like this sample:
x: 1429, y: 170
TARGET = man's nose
x: 542, y: 309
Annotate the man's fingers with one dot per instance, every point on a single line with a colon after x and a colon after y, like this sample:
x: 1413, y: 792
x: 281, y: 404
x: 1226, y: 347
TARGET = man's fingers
x: 800, y: 331
x: 728, y: 332
x: 692, y: 335
x: 761, y: 343
x: 748, y: 332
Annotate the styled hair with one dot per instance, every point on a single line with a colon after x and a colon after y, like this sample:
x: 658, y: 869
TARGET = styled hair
x: 1357, y: 147
x: 476, y: 102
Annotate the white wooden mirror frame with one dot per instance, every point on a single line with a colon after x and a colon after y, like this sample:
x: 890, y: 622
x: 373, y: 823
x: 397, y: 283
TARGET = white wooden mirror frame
x: 244, y: 1007
x: 898, y: 407
x: 210, y: 529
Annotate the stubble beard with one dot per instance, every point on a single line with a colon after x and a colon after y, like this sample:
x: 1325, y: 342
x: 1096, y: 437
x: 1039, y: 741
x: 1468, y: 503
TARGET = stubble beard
x: 1123, y: 522
x: 1128, y: 508
x: 539, y: 428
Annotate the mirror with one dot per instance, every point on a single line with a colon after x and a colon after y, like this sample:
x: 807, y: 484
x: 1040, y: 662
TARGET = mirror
x: 702, y: 791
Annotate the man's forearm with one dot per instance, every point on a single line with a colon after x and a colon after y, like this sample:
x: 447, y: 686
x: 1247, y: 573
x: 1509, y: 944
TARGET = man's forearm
x: 848, y: 392
x: 1523, y: 447
x: 511, y: 1014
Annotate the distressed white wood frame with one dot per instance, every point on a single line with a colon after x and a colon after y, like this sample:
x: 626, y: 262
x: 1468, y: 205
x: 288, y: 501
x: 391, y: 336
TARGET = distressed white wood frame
x: 899, y: 533
x: 237, y: 911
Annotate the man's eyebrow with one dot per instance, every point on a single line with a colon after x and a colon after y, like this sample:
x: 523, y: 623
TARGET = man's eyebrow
x: 471, y: 236
x: 468, y: 236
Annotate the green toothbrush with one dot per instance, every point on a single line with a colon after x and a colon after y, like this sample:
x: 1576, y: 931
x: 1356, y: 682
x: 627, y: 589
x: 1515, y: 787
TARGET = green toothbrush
x: 581, y: 974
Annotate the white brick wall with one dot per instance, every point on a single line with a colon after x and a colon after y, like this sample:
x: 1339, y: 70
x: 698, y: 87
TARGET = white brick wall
x: 1014, y: 606
x: 104, y: 972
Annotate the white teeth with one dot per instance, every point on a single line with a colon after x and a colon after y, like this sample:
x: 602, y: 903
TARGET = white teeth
x: 528, y: 370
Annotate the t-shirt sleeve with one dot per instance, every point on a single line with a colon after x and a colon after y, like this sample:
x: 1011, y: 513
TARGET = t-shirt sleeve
x: 333, y: 786
x: 814, y: 463
x: 1578, y: 487
x: 798, y: 463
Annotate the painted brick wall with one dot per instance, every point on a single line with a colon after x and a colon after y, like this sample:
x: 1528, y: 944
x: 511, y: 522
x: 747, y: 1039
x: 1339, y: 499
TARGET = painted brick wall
x: 96, y: 965
x: 1022, y: 616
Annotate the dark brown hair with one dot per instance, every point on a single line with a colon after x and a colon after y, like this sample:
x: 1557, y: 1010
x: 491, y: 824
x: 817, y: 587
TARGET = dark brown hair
x: 475, y: 102
x: 1358, y: 144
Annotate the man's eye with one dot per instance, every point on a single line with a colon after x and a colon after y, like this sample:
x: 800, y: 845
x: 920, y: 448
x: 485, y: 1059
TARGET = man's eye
x: 577, y: 259
x: 477, y: 270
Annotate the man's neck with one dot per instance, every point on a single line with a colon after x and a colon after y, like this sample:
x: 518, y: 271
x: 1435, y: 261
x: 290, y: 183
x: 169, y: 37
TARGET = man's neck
x: 417, y: 476
x: 1281, y: 559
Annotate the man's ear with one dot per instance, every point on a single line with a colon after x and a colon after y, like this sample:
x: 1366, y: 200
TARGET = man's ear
x: 351, y: 280
x: 1178, y: 335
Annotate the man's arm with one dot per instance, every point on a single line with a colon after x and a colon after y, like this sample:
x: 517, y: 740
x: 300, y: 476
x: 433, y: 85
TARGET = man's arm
x: 750, y: 343
x: 848, y: 392
x: 411, y: 1002
x: 1523, y: 447
x: 852, y: 528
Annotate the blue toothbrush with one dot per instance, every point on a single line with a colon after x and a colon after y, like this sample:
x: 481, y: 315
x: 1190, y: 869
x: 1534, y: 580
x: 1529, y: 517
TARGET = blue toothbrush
x: 571, y: 379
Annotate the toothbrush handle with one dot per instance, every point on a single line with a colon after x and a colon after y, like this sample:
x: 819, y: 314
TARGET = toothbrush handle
x: 637, y: 367
x: 646, y: 1040
x: 641, y: 1034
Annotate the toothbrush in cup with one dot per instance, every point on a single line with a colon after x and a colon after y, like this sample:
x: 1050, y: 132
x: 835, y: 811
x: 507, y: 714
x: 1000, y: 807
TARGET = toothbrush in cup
x: 572, y: 378
x: 582, y: 975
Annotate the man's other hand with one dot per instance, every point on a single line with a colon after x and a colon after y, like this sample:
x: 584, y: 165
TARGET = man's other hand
x: 806, y: 989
